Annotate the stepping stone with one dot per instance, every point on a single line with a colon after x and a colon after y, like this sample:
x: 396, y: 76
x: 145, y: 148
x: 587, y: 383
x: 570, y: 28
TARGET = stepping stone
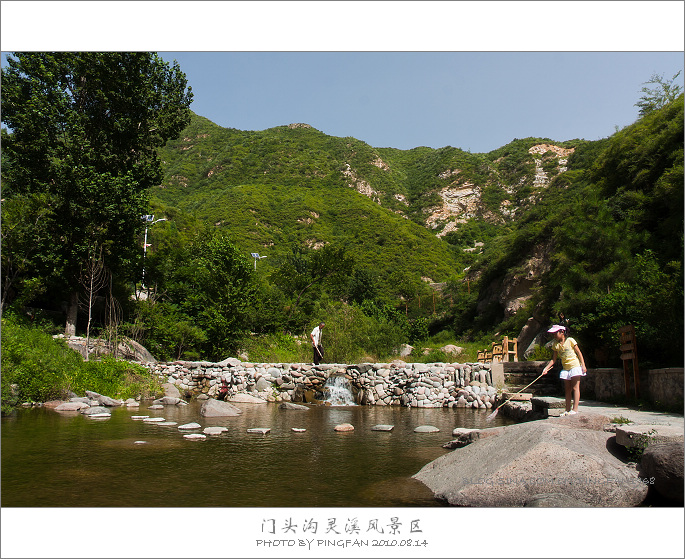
x: 153, y: 420
x: 166, y: 423
x: 297, y: 430
x: 344, y: 427
x: 133, y: 405
x: 190, y: 426
x: 426, y: 429
x: 139, y: 417
x: 214, y: 430
x: 259, y: 430
x: 156, y: 407
x: 139, y: 442
x: 382, y: 427
x: 195, y: 436
x: 99, y: 415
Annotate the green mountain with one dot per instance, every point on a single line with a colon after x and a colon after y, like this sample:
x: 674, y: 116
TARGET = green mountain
x: 520, y: 234
x: 294, y: 186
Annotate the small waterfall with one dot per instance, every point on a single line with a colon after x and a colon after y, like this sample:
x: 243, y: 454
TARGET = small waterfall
x: 338, y: 391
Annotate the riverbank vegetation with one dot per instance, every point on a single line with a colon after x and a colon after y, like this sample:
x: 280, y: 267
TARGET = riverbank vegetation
x: 38, y: 368
x: 348, y: 230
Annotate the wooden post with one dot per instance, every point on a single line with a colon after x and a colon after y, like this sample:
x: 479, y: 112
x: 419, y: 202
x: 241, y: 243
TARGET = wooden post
x: 497, y: 352
x: 506, y: 343
x: 629, y: 353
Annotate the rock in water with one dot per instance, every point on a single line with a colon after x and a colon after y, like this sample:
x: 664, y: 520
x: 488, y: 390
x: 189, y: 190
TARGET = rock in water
x: 171, y: 390
x: 71, y: 406
x: 214, y: 430
x: 344, y: 427
x: 291, y: 406
x: 168, y: 401
x: 95, y: 410
x: 217, y: 408
x: 426, y: 429
x: 530, y: 459
x: 382, y: 427
x: 189, y: 426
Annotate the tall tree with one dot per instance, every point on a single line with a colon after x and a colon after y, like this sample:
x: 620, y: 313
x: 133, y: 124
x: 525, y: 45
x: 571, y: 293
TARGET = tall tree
x: 84, y: 133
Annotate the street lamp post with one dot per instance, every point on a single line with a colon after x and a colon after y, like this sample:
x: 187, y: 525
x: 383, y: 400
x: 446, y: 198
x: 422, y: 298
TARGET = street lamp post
x: 256, y: 257
x: 149, y: 222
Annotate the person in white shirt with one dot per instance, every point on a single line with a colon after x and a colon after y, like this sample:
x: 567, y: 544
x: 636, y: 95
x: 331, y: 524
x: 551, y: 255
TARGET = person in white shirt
x: 316, y: 343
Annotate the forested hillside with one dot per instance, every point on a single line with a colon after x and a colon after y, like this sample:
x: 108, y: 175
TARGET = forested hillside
x: 387, y: 246
x: 592, y: 230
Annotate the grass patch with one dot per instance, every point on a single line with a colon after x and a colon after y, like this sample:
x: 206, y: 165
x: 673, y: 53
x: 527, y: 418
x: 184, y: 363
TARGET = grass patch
x: 37, y: 368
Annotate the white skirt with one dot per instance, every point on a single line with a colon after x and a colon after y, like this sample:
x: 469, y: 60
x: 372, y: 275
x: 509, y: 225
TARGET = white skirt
x: 575, y: 372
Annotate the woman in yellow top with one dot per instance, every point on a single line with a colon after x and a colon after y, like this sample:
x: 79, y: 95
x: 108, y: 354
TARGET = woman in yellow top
x: 572, y: 364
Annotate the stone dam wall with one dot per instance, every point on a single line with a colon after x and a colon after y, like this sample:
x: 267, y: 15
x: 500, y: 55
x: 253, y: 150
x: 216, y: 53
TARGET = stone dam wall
x: 382, y: 384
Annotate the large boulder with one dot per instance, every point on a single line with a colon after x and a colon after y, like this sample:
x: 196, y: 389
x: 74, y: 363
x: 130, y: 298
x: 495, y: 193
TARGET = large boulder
x: 217, y: 408
x: 530, y: 459
x: 662, y: 468
x: 94, y: 410
x: 171, y: 390
x: 103, y: 400
x: 71, y: 406
x: 554, y: 500
x: 582, y: 420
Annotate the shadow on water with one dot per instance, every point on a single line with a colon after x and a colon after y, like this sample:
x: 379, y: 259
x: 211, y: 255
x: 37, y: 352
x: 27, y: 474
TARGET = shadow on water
x: 52, y: 459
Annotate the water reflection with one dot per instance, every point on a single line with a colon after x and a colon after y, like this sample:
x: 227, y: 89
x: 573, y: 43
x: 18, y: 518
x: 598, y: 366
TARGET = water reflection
x: 51, y: 459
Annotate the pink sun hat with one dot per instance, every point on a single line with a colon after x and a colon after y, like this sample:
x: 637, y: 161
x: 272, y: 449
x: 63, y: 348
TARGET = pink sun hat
x: 556, y: 328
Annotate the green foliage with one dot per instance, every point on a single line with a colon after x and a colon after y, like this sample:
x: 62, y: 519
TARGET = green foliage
x: 352, y: 336
x: 277, y: 347
x: 640, y: 443
x: 613, y: 227
x: 652, y: 301
x: 84, y: 130
x: 660, y: 93
x: 607, y: 233
x: 38, y: 368
x: 206, y: 293
x: 540, y: 353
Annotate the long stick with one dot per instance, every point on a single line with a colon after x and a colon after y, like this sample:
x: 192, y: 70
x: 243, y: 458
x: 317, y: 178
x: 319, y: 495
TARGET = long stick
x: 494, y: 413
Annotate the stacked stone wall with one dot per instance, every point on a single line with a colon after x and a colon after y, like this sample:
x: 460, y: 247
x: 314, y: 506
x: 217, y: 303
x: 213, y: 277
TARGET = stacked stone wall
x: 397, y: 383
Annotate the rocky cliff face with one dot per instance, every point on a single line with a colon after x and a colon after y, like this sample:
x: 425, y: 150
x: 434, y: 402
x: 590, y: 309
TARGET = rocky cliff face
x: 461, y: 199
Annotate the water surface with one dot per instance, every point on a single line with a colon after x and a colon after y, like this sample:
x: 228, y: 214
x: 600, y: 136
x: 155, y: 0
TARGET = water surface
x: 53, y: 459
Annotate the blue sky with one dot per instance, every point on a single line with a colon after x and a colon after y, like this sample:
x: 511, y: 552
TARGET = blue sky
x: 476, y: 101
